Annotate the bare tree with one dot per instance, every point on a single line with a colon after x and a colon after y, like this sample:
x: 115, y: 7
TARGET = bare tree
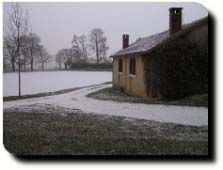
x: 103, y: 52
x: 7, y: 56
x: 63, y: 55
x: 44, y: 56
x: 59, y: 60
x: 18, y: 26
x: 25, y: 51
x: 98, y: 42
x: 33, y: 43
x: 9, y: 51
x: 79, y: 44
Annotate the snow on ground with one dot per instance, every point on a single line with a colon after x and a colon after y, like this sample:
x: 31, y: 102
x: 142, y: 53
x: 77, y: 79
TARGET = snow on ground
x: 39, y: 82
x: 196, y: 116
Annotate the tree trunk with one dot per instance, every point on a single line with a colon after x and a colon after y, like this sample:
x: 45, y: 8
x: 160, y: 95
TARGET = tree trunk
x: 97, y: 51
x: 31, y: 65
x: 60, y: 66
x: 42, y: 66
x: 25, y: 67
x: 65, y: 65
x: 19, y: 76
x: 13, y: 65
x: 18, y: 55
x: 4, y: 67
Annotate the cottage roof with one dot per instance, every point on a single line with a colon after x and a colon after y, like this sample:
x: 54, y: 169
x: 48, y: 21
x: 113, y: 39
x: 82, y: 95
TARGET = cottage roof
x: 144, y: 45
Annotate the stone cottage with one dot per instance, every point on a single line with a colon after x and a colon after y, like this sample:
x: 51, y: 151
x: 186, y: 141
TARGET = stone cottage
x: 170, y: 64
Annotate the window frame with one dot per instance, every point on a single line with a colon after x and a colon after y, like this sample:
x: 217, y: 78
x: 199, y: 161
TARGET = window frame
x: 120, y: 63
x: 132, y: 67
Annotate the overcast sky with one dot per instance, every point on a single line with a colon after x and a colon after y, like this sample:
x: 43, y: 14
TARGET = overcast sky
x: 56, y: 23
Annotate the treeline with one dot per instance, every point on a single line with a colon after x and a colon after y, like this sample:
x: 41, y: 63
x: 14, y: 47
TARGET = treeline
x: 22, y: 48
x: 32, y: 53
x: 82, y: 48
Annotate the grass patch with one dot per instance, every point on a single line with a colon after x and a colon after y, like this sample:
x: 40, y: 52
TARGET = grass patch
x: 39, y: 133
x: 10, y: 98
x: 119, y: 96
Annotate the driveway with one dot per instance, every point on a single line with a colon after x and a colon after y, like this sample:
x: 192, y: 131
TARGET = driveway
x: 196, y: 116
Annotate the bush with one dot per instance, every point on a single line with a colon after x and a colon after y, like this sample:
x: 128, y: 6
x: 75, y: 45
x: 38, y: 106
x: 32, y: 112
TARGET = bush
x: 183, y: 69
x: 92, y: 66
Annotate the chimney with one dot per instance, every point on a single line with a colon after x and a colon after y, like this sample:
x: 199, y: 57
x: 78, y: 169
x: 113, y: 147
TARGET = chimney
x: 175, y: 22
x: 125, y: 41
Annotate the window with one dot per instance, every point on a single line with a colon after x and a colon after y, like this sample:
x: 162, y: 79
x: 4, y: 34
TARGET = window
x: 132, y: 66
x: 120, y: 65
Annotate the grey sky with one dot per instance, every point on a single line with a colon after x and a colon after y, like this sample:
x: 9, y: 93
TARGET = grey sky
x: 56, y: 23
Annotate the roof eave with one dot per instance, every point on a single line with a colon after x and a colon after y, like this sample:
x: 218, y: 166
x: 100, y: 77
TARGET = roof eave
x: 127, y: 54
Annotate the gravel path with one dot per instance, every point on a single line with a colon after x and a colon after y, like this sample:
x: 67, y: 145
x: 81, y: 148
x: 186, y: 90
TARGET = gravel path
x: 196, y: 116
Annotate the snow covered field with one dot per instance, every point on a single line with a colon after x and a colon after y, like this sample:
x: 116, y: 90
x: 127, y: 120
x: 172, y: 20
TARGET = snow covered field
x: 39, y: 82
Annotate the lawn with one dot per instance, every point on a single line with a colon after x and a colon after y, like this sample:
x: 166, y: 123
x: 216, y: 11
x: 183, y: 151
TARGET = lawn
x: 75, y: 133
x: 119, y: 96
x: 30, y: 96
x: 50, y: 81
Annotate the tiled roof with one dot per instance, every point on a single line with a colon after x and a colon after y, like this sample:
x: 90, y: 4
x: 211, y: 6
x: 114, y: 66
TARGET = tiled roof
x: 144, y: 44
x: 147, y: 43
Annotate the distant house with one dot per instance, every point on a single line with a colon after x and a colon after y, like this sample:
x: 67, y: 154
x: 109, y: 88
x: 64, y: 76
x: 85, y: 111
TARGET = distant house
x: 170, y: 64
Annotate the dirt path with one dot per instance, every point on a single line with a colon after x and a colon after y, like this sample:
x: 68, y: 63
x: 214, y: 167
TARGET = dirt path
x: 196, y: 116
